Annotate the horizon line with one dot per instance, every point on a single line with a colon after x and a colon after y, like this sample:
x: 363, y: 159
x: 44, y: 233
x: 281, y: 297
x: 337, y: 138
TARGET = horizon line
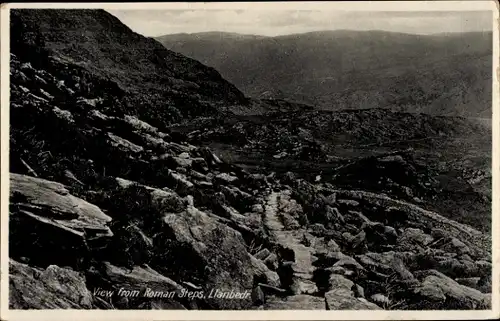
x: 319, y: 31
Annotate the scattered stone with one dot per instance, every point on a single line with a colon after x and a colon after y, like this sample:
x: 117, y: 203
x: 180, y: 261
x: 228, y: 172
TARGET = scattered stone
x: 124, y: 145
x: 262, y: 254
x: 333, y: 215
x: 179, y: 183
x: 337, y: 281
x: 358, y: 291
x: 440, y: 289
x: 64, y: 114
x: 258, y: 297
x: 295, y: 302
x: 336, y: 270
x: 258, y: 208
x: 469, y: 282
x: 412, y: 237
x: 380, y: 299
x: 181, y: 162
x: 272, y: 261
x: 225, y: 178
x: 343, y: 299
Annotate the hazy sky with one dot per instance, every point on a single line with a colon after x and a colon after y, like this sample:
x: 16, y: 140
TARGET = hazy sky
x: 271, y: 23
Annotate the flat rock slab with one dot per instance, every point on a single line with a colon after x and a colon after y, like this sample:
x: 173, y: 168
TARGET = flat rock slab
x: 343, y: 299
x: 439, y: 288
x: 43, y: 194
x: 48, y: 225
x: 52, y: 288
x: 296, y: 302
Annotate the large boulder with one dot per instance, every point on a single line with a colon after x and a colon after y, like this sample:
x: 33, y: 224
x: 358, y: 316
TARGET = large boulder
x: 441, y: 292
x: 50, y: 288
x: 295, y: 302
x: 412, y: 239
x: 49, y: 226
x: 205, y: 252
x: 129, y: 289
x: 344, y: 299
x: 337, y: 281
x: 387, y: 263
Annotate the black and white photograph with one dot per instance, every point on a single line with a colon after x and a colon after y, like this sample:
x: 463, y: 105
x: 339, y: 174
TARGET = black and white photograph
x: 206, y: 157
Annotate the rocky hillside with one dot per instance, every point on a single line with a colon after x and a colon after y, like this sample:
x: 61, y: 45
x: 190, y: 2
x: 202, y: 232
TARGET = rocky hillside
x: 114, y: 66
x: 110, y: 208
x: 453, y: 151
x: 447, y: 74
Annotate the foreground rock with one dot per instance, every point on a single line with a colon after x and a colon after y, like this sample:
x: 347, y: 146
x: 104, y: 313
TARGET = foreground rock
x: 142, y: 286
x: 51, y: 288
x: 343, y: 299
x: 441, y: 292
x: 49, y: 226
x: 296, y: 302
x: 144, y: 210
x: 206, y: 253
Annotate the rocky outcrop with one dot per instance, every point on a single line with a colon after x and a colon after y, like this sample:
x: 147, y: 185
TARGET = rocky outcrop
x: 50, y: 226
x: 296, y: 302
x: 141, y: 287
x: 210, y: 253
x: 444, y: 292
x: 50, y: 288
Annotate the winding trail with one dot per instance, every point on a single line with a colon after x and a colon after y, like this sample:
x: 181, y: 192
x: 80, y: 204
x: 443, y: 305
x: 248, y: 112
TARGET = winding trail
x: 291, y: 239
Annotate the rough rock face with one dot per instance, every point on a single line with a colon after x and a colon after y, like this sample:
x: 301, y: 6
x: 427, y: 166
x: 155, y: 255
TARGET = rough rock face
x: 50, y: 226
x: 296, y: 302
x: 210, y: 253
x: 167, y: 80
x: 438, y: 288
x: 110, y: 281
x: 52, y: 288
x: 104, y: 199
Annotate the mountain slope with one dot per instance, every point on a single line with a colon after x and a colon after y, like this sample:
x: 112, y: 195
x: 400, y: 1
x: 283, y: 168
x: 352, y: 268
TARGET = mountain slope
x: 436, y: 74
x: 312, y: 142
x: 129, y: 65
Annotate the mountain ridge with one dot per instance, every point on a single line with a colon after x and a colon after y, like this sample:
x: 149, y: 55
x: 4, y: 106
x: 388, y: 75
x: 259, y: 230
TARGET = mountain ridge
x: 153, y: 72
x: 321, y: 31
x: 442, y: 75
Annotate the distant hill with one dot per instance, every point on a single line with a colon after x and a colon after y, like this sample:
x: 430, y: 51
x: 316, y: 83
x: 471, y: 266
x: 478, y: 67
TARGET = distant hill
x: 443, y: 74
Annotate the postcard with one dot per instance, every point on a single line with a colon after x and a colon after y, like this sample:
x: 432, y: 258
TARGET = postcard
x: 250, y: 160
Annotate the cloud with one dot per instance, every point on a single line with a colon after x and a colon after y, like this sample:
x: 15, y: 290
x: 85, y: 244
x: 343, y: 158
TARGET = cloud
x: 273, y: 22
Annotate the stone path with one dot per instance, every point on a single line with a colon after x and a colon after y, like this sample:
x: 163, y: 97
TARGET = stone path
x: 291, y: 239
